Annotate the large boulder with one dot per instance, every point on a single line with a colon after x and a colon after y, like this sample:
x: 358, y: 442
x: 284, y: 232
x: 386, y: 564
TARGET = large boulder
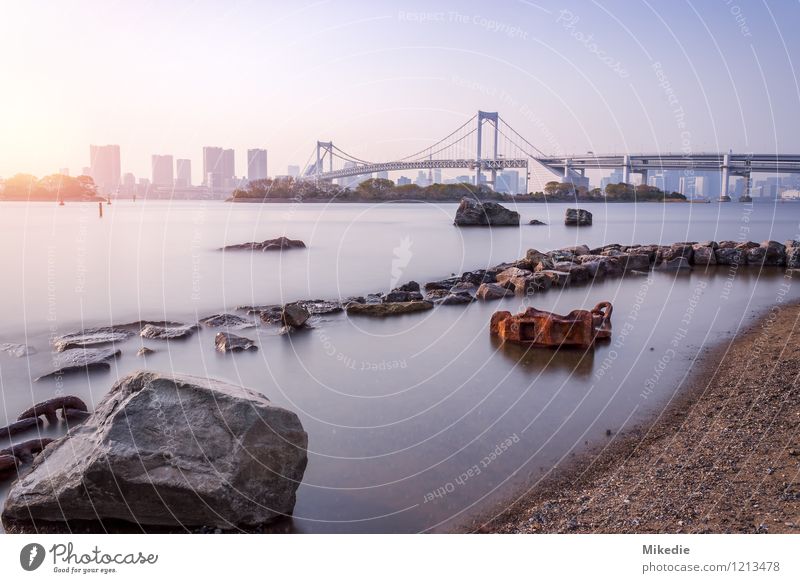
x: 473, y: 213
x: 730, y: 255
x: 169, y: 450
x: 278, y: 244
x: 577, y: 217
x: 704, y: 255
x: 294, y: 315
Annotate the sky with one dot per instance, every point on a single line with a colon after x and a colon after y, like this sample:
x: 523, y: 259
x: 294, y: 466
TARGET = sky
x: 384, y: 79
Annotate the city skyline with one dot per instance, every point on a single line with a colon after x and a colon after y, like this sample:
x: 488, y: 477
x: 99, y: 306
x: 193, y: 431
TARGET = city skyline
x: 564, y: 73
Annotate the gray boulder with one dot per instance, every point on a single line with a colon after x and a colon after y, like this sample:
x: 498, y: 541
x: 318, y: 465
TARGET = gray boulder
x: 231, y: 321
x: 171, y: 451
x: 81, y: 359
x: 473, y: 213
x: 294, y: 315
x: 676, y: 264
x: 227, y: 342
x: 168, y: 331
x: 91, y: 337
x: 704, y: 255
x: 577, y: 217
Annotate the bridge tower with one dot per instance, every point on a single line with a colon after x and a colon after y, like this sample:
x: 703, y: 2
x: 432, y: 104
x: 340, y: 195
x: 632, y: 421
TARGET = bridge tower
x: 494, y: 119
x: 323, y: 149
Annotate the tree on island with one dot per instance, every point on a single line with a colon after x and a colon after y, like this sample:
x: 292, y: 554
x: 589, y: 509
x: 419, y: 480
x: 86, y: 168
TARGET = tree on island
x: 51, y: 187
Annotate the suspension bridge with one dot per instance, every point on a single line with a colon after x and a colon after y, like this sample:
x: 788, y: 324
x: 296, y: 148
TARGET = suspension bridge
x: 486, y: 144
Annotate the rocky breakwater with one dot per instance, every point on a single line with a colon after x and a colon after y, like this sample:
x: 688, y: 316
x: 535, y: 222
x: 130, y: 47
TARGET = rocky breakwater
x: 168, y: 450
x: 539, y: 271
x: 474, y: 213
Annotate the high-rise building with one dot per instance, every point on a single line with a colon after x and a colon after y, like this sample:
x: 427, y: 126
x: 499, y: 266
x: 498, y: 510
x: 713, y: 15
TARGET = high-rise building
x: 105, y: 167
x: 383, y: 175
x: 183, y: 173
x: 293, y: 171
x: 228, y: 169
x: 218, y: 167
x: 162, y: 170
x: 256, y: 164
x: 507, y: 182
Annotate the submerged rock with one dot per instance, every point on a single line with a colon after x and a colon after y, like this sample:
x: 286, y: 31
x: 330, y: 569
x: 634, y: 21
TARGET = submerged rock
x: 82, y: 359
x: 227, y: 321
x: 577, y: 217
x: 676, y: 264
x: 91, y: 337
x: 172, y: 451
x: 144, y: 351
x: 227, y: 342
x: 473, y: 213
x: 319, y: 307
x: 17, y: 350
x: 388, y: 308
x: 536, y: 222
x: 277, y: 244
x: 167, y: 332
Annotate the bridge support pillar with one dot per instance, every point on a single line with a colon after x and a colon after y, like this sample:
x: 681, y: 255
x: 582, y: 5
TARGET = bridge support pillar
x: 626, y: 169
x: 726, y: 160
x: 567, y: 164
x: 490, y: 116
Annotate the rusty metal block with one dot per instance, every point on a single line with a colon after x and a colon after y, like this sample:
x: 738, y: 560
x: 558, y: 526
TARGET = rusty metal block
x: 537, y: 328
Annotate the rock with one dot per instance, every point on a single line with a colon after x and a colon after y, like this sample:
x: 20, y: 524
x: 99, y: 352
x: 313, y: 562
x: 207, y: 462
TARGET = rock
x: 774, y: 253
x: 678, y: 250
x: 294, y: 315
x: 676, y: 264
x: 635, y: 261
x: 319, y: 307
x: 704, y: 255
x: 535, y: 257
x: 227, y: 342
x: 144, y: 351
x: 50, y: 408
x: 478, y: 277
x: 533, y: 283
x: 277, y: 244
x: 388, y: 309
x: 442, y: 284
x: 578, y: 274
x: 577, y: 217
x: 167, y: 332
x: 401, y: 296
x: 576, y: 250
x: 456, y: 298
x: 730, y: 255
x: 512, y: 272
x: 473, y: 213
x: 17, y: 350
x: 536, y: 222
x: 464, y: 286
x: 81, y: 359
x: 231, y: 321
x: 411, y: 286
x: 492, y: 291
x: 793, y: 256
x: 91, y: 337
x: 435, y: 294
x: 170, y: 451
x: 557, y: 278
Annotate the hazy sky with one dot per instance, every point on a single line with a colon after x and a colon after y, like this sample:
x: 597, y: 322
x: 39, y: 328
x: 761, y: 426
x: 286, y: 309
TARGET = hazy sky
x: 384, y: 79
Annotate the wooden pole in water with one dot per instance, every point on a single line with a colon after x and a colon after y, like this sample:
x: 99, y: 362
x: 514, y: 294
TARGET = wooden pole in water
x: 100, y: 206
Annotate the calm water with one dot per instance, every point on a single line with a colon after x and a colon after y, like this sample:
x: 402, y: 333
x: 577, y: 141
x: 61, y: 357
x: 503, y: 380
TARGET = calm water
x: 397, y: 409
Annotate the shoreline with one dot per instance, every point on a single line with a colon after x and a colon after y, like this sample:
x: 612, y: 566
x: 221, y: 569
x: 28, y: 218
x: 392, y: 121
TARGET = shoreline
x: 723, y: 456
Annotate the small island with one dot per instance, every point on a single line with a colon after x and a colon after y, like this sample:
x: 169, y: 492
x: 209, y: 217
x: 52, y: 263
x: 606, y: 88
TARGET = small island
x: 288, y: 189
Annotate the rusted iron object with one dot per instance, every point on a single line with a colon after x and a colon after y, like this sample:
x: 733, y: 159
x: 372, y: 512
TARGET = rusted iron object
x: 20, y: 426
x: 49, y: 408
x: 537, y: 328
x: 27, y: 450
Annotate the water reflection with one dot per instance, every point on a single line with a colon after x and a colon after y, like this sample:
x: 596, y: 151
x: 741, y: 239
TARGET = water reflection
x: 574, y: 361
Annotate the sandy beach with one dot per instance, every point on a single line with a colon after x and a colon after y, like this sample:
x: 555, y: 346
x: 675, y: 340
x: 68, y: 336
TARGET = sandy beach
x: 723, y: 457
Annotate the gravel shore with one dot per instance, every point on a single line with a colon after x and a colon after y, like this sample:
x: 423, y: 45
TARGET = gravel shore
x: 722, y: 458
